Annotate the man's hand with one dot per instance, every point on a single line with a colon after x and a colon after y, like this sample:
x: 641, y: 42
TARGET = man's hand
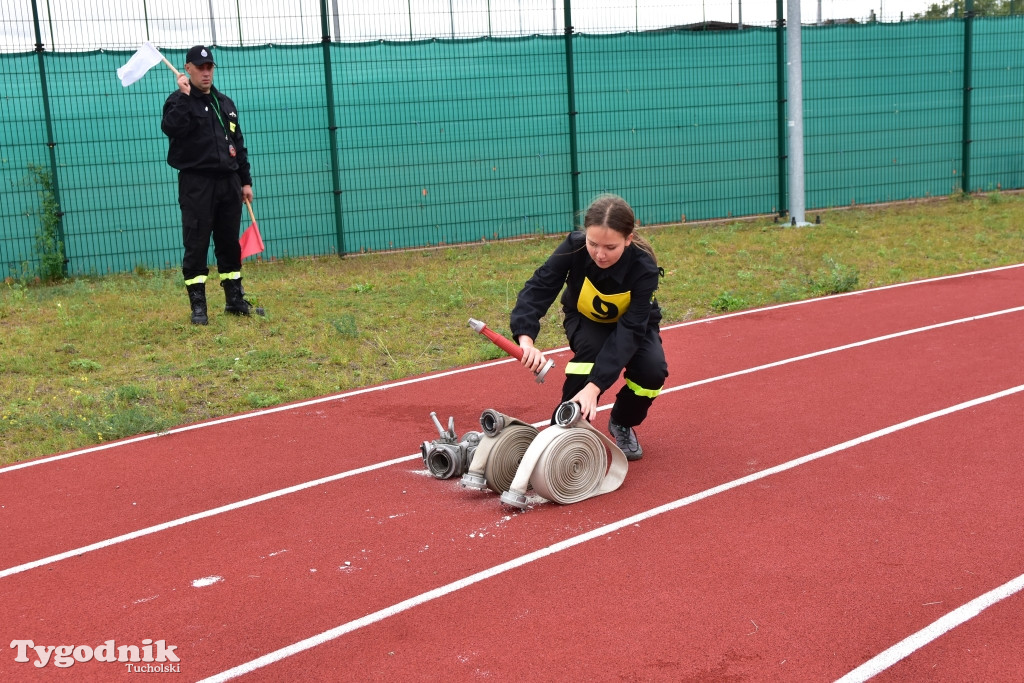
x: 184, y: 85
x: 247, y: 195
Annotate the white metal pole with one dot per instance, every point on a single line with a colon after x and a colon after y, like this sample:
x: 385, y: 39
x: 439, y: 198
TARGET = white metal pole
x: 213, y: 25
x: 795, y: 113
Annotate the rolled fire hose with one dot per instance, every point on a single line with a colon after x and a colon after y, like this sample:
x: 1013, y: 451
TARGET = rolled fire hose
x: 503, y: 444
x: 568, y: 462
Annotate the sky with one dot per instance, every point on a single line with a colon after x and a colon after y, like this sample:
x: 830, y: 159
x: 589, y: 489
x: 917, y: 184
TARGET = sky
x: 124, y: 24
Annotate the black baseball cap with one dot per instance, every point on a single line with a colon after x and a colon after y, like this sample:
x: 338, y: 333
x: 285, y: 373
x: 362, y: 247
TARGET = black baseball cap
x: 199, y: 55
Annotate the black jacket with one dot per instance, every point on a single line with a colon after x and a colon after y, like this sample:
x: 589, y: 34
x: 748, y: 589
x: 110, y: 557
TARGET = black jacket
x: 197, y: 134
x: 599, y: 294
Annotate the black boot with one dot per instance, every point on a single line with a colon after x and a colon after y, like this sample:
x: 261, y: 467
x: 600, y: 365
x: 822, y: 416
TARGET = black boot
x: 197, y: 299
x: 234, y: 299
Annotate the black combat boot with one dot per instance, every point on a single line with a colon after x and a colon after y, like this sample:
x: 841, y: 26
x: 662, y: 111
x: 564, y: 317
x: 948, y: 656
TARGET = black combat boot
x: 197, y: 299
x: 234, y: 299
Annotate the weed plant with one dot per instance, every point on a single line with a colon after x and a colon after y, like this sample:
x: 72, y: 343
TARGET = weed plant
x: 88, y: 360
x: 49, y: 248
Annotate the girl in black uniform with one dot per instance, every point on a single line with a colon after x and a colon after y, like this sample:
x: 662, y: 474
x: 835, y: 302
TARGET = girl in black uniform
x: 611, y: 316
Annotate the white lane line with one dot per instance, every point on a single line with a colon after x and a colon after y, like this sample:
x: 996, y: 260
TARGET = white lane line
x: 472, y: 368
x: 844, y: 347
x: 831, y: 297
x: 911, y: 644
x: 246, y: 416
x: 99, y: 545
x: 369, y: 468
x: 522, y: 560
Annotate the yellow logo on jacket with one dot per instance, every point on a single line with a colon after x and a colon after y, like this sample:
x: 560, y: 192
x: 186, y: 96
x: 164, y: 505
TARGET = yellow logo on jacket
x: 599, y: 307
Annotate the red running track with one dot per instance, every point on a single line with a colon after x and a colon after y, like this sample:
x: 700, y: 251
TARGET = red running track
x: 821, y: 482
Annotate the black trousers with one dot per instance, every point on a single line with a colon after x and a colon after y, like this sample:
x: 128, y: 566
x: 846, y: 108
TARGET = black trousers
x: 645, y: 373
x: 210, y: 206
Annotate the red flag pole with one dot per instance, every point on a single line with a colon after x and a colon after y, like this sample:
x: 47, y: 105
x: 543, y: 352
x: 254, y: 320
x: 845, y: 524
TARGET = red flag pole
x: 251, y: 241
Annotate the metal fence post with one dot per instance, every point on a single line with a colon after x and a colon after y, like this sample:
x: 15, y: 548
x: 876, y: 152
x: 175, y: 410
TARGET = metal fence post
x: 332, y: 128
x: 965, y: 176
x: 570, y: 82
x: 780, y: 89
x: 795, y: 113
x: 213, y: 25
x: 50, y: 142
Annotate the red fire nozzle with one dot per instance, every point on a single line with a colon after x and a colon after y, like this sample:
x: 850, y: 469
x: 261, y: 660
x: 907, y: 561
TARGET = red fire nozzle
x: 508, y: 346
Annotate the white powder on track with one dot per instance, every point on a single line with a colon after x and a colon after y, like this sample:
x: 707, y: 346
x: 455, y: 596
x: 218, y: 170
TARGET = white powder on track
x: 206, y: 581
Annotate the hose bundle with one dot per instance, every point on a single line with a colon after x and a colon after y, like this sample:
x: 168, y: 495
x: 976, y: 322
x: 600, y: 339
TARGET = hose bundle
x: 568, y: 462
x: 502, y: 445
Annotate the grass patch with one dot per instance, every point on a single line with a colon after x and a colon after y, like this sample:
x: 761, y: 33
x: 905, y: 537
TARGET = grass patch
x: 727, y: 301
x: 92, y: 359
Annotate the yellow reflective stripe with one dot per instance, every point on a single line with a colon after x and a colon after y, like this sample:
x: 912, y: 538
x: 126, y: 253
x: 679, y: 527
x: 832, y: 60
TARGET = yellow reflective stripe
x: 640, y: 391
x: 578, y: 368
x: 198, y: 279
x: 231, y: 276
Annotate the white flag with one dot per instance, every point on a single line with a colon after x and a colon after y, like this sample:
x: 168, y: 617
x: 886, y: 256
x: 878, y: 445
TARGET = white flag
x: 142, y: 61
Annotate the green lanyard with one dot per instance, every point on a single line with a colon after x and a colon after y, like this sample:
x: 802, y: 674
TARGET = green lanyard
x: 216, y: 110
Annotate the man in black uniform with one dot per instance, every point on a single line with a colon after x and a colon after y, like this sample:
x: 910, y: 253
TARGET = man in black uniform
x: 207, y: 148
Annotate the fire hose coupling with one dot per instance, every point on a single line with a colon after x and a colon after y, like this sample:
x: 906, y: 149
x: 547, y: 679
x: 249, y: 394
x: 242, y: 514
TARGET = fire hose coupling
x: 508, y: 346
x: 447, y: 456
x: 492, y: 422
x: 568, y: 414
x: 514, y: 499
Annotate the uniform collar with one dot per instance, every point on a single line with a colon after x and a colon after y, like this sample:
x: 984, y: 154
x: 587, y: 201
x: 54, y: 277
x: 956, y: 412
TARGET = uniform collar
x: 196, y: 92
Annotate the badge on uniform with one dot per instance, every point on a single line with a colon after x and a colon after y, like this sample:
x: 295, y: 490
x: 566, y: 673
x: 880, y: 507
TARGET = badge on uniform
x: 231, y: 150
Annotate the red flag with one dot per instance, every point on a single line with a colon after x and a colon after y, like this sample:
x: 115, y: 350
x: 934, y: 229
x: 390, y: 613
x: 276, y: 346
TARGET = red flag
x: 251, y: 241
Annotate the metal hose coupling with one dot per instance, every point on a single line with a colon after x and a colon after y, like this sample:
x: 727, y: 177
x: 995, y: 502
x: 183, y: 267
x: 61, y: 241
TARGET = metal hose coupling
x: 568, y: 414
x: 447, y: 456
x: 504, y: 441
x: 492, y: 422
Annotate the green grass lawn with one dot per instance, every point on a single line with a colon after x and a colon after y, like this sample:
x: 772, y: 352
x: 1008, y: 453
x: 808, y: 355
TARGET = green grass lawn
x: 88, y: 360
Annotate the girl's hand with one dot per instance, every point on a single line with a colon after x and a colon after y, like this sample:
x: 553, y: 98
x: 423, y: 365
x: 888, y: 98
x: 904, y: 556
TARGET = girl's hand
x: 533, y: 359
x: 587, y: 398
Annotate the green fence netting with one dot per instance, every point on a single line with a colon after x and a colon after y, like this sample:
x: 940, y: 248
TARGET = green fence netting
x: 455, y: 141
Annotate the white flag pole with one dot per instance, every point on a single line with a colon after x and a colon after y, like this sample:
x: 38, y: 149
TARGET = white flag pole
x: 170, y: 66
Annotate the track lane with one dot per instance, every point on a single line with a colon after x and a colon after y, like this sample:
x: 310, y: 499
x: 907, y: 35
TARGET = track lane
x: 71, y: 503
x: 988, y: 647
x: 290, y: 490
x: 795, y: 578
x: 471, y: 535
